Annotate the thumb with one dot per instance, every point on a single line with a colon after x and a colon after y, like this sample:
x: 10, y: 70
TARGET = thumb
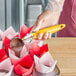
x: 37, y: 26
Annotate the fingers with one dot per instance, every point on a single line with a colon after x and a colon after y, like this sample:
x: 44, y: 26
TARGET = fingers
x: 40, y: 36
x: 49, y: 35
x: 44, y: 36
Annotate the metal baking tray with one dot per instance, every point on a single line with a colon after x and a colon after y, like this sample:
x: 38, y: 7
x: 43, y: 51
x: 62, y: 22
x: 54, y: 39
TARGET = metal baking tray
x: 56, y: 72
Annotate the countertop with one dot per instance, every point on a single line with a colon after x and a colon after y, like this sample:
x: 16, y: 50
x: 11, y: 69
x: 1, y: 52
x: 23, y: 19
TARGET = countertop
x: 64, y: 51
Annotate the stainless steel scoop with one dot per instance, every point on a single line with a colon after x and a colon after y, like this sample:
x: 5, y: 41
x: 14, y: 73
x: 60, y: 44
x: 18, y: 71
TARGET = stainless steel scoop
x: 17, y: 44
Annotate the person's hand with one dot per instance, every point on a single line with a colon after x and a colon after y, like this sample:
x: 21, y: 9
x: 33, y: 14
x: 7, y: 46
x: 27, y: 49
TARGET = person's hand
x: 44, y: 36
x: 46, y: 19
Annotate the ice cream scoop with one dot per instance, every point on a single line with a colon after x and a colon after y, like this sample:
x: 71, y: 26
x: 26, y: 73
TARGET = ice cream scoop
x: 51, y: 29
x: 16, y: 43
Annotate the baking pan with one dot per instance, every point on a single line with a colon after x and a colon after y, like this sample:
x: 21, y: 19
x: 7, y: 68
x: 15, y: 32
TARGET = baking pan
x: 56, y: 72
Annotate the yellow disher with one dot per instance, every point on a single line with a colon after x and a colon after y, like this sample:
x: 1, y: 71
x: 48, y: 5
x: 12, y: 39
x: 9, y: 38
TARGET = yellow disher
x: 51, y: 29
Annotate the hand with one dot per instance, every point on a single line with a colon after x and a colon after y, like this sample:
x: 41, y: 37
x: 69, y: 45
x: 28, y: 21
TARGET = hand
x: 46, y: 19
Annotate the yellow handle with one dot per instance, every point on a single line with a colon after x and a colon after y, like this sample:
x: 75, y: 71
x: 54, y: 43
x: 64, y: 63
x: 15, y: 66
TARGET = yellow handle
x: 51, y: 29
